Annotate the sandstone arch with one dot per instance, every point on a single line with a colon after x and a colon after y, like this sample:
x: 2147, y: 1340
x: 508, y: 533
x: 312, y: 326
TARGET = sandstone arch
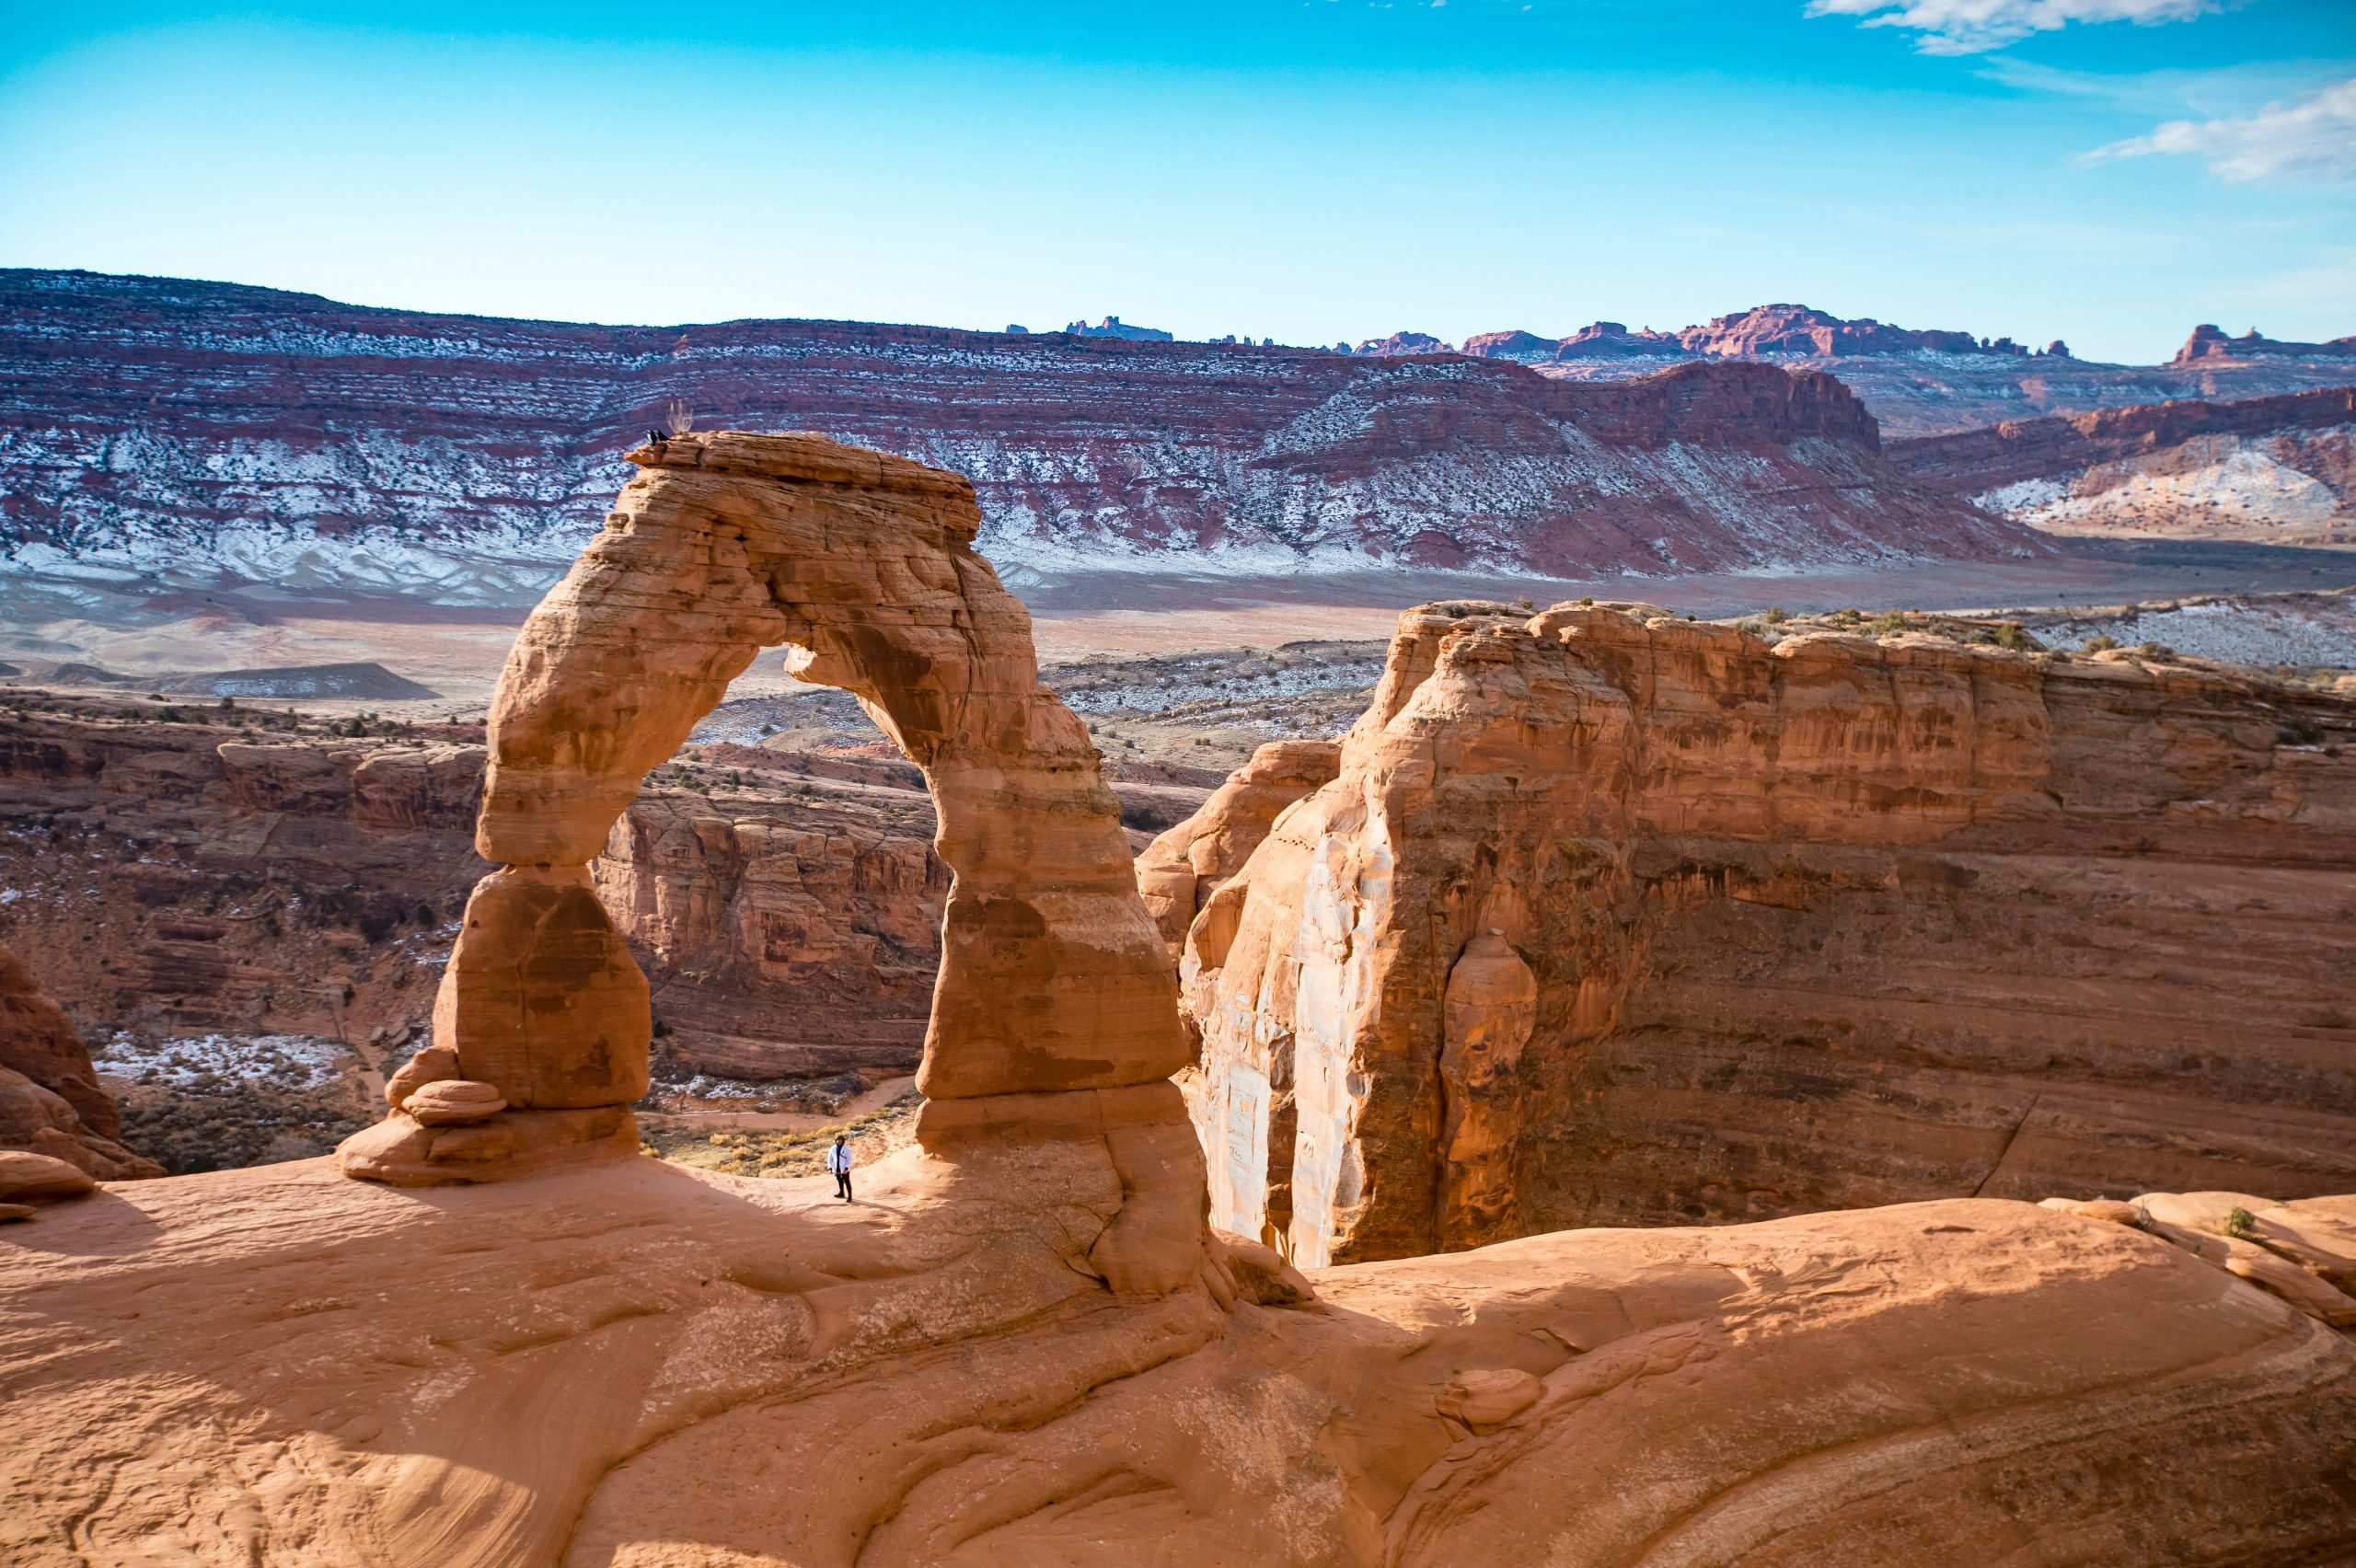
x: 1052, y: 979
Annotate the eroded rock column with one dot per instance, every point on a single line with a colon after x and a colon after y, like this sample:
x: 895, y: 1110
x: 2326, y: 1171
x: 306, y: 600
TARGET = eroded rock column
x: 1056, y: 1012
x: 1488, y: 1012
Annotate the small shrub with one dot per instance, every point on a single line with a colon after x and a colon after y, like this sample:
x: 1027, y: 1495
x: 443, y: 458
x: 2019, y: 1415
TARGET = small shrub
x: 2100, y: 641
x: 2156, y: 651
x: 1588, y: 600
x: 1777, y: 614
x: 2011, y: 636
x: 1890, y: 621
x: 2241, y: 1225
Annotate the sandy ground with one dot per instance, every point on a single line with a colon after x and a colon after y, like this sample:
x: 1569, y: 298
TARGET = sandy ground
x: 458, y: 652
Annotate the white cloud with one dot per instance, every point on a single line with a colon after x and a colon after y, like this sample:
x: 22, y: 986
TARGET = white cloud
x: 1973, y: 27
x: 2307, y: 139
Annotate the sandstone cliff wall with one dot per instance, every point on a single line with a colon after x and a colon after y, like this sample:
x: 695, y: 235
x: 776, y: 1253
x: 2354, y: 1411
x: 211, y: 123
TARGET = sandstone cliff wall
x: 188, y: 876
x: 205, y: 875
x: 783, y: 938
x: 1821, y: 925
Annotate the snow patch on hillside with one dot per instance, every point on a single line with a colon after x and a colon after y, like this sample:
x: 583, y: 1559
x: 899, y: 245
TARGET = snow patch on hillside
x: 2302, y: 631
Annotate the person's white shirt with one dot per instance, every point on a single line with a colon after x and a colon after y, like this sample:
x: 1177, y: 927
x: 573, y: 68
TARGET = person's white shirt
x: 839, y: 1158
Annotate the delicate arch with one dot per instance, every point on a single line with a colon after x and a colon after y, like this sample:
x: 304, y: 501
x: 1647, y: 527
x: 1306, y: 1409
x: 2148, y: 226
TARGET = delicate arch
x: 1053, y: 977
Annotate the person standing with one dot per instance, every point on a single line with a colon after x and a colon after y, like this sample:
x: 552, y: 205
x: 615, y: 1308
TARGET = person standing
x: 839, y: 1161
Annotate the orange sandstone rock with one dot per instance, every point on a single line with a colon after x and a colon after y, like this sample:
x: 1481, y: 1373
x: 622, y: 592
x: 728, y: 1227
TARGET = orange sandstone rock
x: 450, y: 1102
x: 1487, y: 1399
x: 51, y: 1102
x: 1830, y: 922
x: 1054, y: 999
x: 1178, y: 872
x: 24, y: 1177
x: 431, y: 1065
x: 541, y: 997
x: 647, y: 1367
x: 1487, y: 1012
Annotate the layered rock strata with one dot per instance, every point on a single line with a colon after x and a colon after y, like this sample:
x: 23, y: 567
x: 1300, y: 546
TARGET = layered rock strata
x: 466, y: 460
x: 177, y: 872
x: 784, y: 934
x: 1818, y: 924
x: 1055, y: 1011
x: 2281, y: 470
x: 180, y: 871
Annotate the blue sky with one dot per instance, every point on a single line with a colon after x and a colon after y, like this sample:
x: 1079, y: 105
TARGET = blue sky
x: 2109, y: 171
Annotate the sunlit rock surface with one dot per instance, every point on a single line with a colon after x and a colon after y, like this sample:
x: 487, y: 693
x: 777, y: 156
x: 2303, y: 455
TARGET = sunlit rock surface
x: 1838, y: 922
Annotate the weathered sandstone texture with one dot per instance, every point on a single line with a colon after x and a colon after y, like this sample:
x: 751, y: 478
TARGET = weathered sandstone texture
x: 1178, y: 872
x: 1614, y: 918
x: 1055, y: 1011
x: 784, y: 934
x: 640, y: 1366
x: 50, y: 1103
x: 180, y: 871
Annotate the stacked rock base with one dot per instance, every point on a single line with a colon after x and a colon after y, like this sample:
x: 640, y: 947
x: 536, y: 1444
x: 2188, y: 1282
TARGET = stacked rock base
x: 447, y: 1130
x: 405, y: 1152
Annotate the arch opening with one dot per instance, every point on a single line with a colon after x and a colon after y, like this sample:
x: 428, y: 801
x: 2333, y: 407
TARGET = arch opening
x: 1053, y: 978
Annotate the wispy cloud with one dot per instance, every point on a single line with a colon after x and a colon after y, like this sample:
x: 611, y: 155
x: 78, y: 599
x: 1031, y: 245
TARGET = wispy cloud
x: 1974, y: 26
x: 2305, y: 138
x: 2203, y: 92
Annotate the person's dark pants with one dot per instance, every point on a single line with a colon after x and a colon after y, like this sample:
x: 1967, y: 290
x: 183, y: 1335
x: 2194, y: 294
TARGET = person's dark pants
x: 842, y: 1183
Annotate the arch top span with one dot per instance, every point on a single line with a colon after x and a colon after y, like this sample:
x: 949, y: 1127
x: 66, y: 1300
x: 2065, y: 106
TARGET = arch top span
x: 1053, y: 977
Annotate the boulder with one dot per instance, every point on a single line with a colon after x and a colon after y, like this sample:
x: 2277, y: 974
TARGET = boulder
x: 1487, y: 1399
x: 431, y: 1065
x: 450, y: 1102
x: 1259, y: 1274
x: 26, y: 1177
x: 2111, y: 1211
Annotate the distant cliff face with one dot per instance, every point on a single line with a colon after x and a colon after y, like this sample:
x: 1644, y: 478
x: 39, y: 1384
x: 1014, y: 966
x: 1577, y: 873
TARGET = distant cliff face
x: 1613, y: 918
x: 2281, y: 470
x: 785, y: 935
x: 1936, y: 382
x: 162, y: 433
x: 2210, y: 345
